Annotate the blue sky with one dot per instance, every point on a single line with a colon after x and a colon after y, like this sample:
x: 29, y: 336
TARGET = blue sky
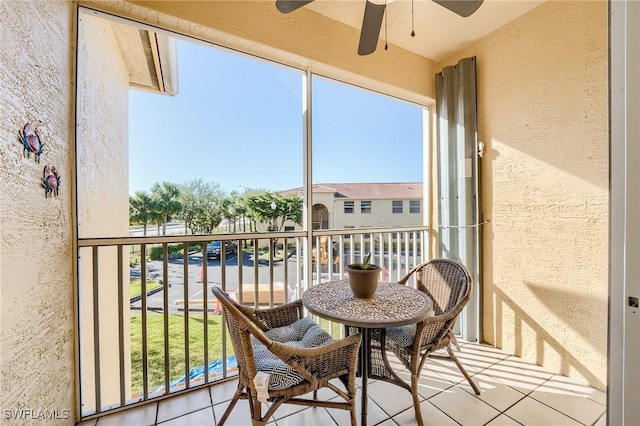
x: 237, y: 121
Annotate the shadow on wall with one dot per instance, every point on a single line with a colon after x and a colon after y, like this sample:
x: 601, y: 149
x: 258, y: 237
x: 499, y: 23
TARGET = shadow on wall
x: 555, y: 301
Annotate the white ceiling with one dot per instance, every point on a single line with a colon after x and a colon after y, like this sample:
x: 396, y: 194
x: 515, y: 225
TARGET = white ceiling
x: 439, y: 32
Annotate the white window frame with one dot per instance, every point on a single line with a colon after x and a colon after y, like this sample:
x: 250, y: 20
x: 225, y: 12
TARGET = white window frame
x: 349, y: 205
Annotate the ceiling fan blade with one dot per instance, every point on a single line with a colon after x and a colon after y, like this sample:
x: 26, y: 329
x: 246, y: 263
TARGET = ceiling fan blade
x: 463, y: 8
x: 286, y: 6
x: 371, y: 23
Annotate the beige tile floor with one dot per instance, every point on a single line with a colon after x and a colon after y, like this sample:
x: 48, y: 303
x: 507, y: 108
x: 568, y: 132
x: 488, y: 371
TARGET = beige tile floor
x: 514, y: 392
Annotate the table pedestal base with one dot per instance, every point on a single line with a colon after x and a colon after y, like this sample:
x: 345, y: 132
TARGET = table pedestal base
x: 376, y: 365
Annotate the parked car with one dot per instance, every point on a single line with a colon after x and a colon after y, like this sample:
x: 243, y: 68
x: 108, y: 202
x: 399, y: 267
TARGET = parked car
x: 215, y: 247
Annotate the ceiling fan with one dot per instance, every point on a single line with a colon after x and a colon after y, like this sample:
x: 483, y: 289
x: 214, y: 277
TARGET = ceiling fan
x: 374, y: 12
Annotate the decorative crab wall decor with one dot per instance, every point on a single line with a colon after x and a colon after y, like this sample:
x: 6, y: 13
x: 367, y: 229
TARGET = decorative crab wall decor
x: 31, y: 142
x: 50, y: 180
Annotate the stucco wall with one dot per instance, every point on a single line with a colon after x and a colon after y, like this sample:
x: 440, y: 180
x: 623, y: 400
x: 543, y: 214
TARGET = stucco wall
x: 103, y: 201
x: 36, y: 240
x: 543, y: 114
x: 103, y: 132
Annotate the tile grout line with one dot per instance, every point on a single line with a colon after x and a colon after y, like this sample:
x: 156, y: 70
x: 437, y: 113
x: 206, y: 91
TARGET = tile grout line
x: 213, y: 412
x: 450, y: 377
x: 555, y: 409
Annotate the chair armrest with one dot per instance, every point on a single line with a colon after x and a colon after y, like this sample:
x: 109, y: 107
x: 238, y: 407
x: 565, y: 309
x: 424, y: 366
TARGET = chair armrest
x: 433, y: 329
x: 320, y: 361
x: 279, y: 316
x: 411, y: 272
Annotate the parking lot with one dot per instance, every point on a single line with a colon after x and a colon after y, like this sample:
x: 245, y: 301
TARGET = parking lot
x: 195, y: 286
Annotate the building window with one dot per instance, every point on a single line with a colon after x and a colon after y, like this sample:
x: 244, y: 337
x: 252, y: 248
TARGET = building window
x: 414, y: 206
x: 320, y: 217
x: 396, y: 207
x: 348, y: 207
x: 365, y: 206
x: 289, y: 228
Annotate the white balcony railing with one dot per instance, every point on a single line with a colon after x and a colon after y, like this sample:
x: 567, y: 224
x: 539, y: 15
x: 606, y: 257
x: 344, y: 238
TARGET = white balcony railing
x: 167, y: 336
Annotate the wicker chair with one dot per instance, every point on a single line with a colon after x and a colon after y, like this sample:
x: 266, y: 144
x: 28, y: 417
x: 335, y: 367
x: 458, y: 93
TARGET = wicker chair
x: 282, y: 355
x: 448, y: 283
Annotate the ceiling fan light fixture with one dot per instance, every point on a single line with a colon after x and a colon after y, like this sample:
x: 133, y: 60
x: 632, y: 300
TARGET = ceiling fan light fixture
x: 371, y: 24
x: 374, y: 13
x: 287, y: 6
x: 413, y: 33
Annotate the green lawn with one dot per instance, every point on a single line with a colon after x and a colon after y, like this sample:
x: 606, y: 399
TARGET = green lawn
x: 155, y: 344
x: 135, y: 287
x: 333, y: 328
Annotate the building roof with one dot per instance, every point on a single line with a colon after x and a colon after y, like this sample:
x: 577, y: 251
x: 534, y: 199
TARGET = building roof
x: 366, y: 191
x: 150, y: 57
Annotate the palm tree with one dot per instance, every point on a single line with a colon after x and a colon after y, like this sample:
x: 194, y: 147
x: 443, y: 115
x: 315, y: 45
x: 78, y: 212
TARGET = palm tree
x: 189, y: 202
x: 141, y: 210
x: 165, y: 197
x: 240, y: 212
x: 232, y: 209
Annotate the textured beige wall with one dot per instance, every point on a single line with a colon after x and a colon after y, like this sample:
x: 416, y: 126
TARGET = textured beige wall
x: 36, y: 240
x: 103, y: 200
x: 543, y: 114
x: 103, y: 132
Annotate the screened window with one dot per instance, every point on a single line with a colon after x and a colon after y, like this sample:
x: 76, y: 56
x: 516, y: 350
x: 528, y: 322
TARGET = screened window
x: 343, y: 124
x: 349, y: 207
x: 178, y: 128
x: 414, y: 206
x: 396, y: 207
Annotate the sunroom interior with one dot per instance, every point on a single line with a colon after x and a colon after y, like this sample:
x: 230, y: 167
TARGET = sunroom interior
x: 543, y: 214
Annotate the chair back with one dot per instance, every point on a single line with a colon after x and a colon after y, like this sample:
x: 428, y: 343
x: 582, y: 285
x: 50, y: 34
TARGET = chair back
x: 447, y: 282
x: 241, y: 326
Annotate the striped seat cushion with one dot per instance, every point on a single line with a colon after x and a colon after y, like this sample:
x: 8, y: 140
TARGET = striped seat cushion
x: 302, y: 333
x: 402, y: 336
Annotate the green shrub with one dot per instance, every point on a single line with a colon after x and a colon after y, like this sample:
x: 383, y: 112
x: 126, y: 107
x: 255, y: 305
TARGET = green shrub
x: 174, y: 250
x: 195, y: 247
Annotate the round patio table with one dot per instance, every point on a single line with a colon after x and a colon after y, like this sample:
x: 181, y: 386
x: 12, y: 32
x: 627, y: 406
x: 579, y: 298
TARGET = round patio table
x: 392, y: 305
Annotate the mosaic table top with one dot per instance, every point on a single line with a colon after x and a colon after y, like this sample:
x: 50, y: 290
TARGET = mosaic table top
x: 393, y: 304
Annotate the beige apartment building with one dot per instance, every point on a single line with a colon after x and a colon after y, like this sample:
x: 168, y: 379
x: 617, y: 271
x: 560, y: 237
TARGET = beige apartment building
x: 365, y: 205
